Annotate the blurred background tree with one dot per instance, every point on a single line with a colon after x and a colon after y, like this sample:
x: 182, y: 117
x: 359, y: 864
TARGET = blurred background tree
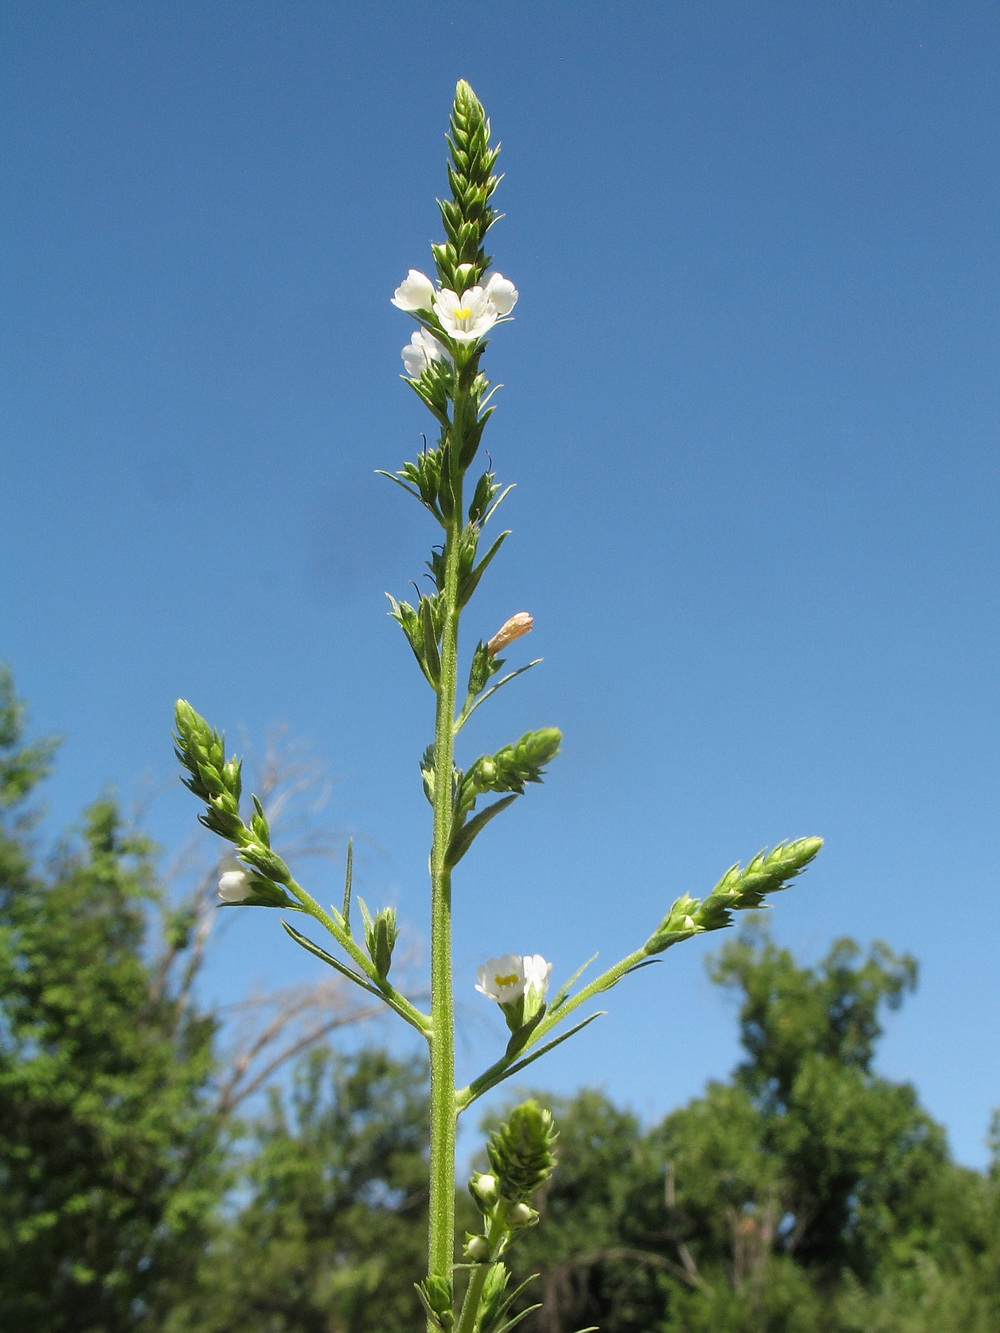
x: 118, y: 1147
x: 330, y: 1232
x: 111, y: 1159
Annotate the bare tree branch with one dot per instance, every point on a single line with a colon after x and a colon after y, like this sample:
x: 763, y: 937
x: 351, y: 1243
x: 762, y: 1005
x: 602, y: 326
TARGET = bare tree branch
x: 302, y: 1016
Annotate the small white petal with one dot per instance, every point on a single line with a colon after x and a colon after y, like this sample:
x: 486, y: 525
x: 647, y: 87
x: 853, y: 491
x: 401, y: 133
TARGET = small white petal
x: 420, y: 351
x: 415, y: 292
x: 502, y: 293
x: 414, y: 360
x: 536, y: 973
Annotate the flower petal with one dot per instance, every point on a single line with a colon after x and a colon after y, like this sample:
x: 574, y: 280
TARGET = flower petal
x: 536, y: 973
x: 420, y: 351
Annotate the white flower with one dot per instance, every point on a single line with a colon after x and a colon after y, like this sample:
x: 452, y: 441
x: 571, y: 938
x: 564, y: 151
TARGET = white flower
x: 234, y: 882
x: 536, y: 974
x: 415, y: 292
x: 420, y: 351
x: 467, y: 317
x: 502, y: 293
x: 502, y: 979
x: 507, y: 978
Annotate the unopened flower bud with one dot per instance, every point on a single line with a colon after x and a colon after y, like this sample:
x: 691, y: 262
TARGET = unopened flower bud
x: 234, y: 882
x: 478, y: 1249
x: 483, y: 1188
x: 510, y: 630
x: 520, y: 1215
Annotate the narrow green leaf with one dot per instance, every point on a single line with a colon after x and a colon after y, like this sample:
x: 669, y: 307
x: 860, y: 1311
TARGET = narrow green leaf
x: 466, y: 835
x: 366, y: 916
x: 562, y: 994
x: 432, y: 657
x: 379, y: 472
x: 513, y: 1323
x: 471, y: 582
x: 346, y: 910
x: 646, y: 962
x: 329, y: 959
x: 490, y: 1079
x: 356, y: 977
x: 493, y: 689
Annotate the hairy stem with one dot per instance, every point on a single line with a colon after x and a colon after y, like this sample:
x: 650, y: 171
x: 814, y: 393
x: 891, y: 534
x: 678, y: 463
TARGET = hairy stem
x: 441, y: 1240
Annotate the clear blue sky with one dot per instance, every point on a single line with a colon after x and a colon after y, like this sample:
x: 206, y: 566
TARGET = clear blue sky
x: 751, y: 407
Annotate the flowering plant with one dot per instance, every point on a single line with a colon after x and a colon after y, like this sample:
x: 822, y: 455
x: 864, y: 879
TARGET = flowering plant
x: 443, y: 367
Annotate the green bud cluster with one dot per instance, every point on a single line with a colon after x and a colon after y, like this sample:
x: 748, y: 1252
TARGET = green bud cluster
x: 521, y: 1152
x: 482, y: 502
x: 218, y: 782
x: 737, y: 890
x: 212, y: 778
x: 506, y: 771
x: 381, y: 933
x: 467, y: 215
x: 422, y: 626
x: 522, y: 1159
x: 483, y: 666
x: 438, y: 1299
x: 496, y: 1302
x: 513, y: 766
x: 434, y: 476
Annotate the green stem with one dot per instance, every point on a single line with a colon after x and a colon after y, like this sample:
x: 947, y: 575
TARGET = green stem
x: 602, y: 983
x: 441, y: 1238
x: 344, y: 938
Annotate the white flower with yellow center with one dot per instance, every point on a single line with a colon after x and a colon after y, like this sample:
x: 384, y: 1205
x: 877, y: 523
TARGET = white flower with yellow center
x: 507, y: 978
x: 468, y: 317
x: 422, y: 349
x: 502, y: 979
x: 415, y: 292
x: 234, y: 882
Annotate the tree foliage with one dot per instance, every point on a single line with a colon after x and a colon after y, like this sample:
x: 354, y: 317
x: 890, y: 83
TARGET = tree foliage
x: 108, y: 1163
x: 329, y: 1236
